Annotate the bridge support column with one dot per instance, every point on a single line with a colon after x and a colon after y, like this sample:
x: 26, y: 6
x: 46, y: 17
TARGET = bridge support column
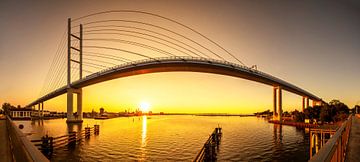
x: 277, y: 114
x: 42, y: 110
x: 275, y: 104
x: 39, y: 110
x: 71, y: 118
x: 303, y: 103
x: 313, y: 103
x: 280, y: 104
x: 307, y: 102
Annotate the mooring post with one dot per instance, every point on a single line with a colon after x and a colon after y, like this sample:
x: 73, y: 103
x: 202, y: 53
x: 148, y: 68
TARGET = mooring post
x: 72, y: 138
x: 96, y: 129
x: 87, y: 132
x: 51, y: 144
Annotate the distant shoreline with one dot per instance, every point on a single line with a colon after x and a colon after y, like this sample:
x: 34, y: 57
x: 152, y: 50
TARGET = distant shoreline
x: 208, y: 114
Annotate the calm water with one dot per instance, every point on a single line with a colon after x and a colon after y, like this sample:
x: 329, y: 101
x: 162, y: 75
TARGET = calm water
x: 177, y: 138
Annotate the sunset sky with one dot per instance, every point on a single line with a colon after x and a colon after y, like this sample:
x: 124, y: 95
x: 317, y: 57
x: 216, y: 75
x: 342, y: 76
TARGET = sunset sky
x: 313, y: 45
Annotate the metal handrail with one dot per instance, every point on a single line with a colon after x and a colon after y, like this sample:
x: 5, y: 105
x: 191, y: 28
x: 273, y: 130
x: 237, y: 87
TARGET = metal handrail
x: 335, y: 148
x: 24, y: 146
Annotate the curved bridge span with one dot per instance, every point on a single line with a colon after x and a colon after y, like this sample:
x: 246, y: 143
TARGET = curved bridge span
x: 112, y: 45
x: 171, y: 64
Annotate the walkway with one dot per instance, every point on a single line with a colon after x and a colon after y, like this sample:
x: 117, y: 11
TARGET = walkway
x: 353, y: 153
x: 5, y: 154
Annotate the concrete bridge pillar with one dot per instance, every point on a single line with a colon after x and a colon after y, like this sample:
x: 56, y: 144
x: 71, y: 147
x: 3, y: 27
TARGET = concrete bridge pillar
x: 70, y: 102
x: 275, y: 104
x: 277, y: 94
x: 303, y: 103
x: 39, y: 110
x: 42, y: 110
x: 307, y: 102
x: 279, y: 104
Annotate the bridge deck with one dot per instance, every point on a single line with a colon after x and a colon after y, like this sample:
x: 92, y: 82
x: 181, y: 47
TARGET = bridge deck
x: 5, y: 154
x: 353, y: 153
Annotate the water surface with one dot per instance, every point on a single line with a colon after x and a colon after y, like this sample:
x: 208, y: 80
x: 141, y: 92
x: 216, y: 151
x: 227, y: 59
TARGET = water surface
x: 176, y: 138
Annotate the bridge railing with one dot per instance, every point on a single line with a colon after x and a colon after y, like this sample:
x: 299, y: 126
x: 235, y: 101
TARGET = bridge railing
x: 21, y: 147
x: 187, y: 58
x: 335, y: 148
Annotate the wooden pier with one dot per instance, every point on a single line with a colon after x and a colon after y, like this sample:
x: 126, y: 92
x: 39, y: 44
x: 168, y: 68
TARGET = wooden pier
x: 48, y: 144
x: 208, y: 151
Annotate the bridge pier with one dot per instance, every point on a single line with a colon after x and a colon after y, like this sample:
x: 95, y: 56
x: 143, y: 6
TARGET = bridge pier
x: 42, y: 110
x: 39, y: 105
x: 277, y: 94
x: 305, y: 103
x: 71, y: 118
x: 274, y: 104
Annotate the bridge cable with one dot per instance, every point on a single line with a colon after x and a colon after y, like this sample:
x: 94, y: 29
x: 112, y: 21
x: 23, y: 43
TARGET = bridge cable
x: 135, y: 44
x: 156, y: 15
x: 95, y: 22
x: 101, y: 56
x: 131, y: 27
x: 117, y: 49
x: 130, y: 35
x: 108, y: 55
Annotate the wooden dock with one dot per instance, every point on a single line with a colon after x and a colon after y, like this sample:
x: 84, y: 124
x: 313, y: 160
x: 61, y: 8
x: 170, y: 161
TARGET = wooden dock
x: 208, y: 151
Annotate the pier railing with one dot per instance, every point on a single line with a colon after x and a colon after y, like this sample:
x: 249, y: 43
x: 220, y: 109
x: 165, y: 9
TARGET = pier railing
x: 335, y: 148
x: 21, y: 147
x: 207, y: 152
x: 48, y: 144
x: 296, y: 124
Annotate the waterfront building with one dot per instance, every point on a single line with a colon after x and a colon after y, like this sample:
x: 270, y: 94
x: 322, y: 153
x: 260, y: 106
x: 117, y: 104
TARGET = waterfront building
x: 21, y: 113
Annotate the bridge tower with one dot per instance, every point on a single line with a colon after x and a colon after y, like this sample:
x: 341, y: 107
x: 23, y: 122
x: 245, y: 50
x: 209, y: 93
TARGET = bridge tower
x: 71, y: 118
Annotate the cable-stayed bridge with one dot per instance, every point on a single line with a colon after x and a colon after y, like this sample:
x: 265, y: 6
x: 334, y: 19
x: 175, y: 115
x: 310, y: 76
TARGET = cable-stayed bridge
x: 114, y: 44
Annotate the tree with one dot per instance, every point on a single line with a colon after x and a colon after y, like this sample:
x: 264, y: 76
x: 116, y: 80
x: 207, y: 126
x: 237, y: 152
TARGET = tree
x: 298, y: 116
x: 326, y: 114
x: 6, y: 107
x: 339, y: 111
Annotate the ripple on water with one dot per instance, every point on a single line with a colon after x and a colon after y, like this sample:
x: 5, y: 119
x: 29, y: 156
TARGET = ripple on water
x: 179, y: 138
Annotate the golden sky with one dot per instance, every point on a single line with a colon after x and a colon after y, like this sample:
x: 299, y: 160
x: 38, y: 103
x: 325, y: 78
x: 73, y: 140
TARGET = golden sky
x: 313, y: 45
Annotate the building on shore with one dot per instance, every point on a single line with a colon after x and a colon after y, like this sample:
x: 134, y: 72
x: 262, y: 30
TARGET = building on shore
x: 20, y: 113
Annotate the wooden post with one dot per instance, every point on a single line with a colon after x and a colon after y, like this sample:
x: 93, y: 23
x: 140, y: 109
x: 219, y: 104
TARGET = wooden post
x: 72, y: 138
x: 96, y: 129
x: 87, y: 132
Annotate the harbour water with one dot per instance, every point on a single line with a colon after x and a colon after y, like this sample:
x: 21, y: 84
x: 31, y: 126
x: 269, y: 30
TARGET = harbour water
x: 176, y: 138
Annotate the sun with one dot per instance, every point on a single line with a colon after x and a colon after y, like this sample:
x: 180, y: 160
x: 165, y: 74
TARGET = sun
x: 144, y: 106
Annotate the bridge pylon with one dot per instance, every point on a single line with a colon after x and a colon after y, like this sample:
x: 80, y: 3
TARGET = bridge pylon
x: 71, y: 118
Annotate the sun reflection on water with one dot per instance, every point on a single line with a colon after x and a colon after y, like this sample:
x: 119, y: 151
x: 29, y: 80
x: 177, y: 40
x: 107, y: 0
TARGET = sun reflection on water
x: 143, y: 138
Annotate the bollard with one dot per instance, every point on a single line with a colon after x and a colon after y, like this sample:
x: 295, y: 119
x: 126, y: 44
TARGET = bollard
x: 44, y: 144
x: 96, y: 129
x: 87, y: 132
x: 51, y: 145
x: 47, y: 145
x: 72, y: 138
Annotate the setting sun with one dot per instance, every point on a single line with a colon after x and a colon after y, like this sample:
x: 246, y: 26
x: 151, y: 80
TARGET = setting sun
x: 144, y: 106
